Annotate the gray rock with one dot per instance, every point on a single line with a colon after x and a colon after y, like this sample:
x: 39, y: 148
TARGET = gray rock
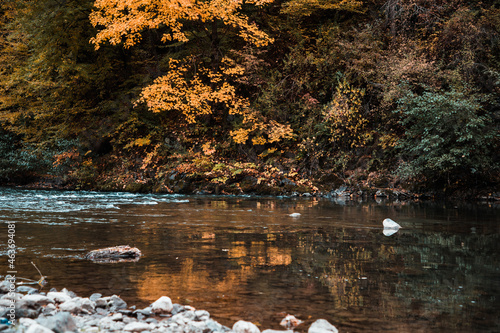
x: 106, y: 324
x: 34, y: 300
x: 94, y: 297
x: 201, y: 315
x: 242, y: 326
x: 145, y: 312
x: 62, y: 322
x: 100, y: 303
x: 49, y: 309
x: 14, y: 295
x: 26, y: 289
x: 5, y: 302
x: 73, y: 306
x: 116, y: 303
x: 214, y: 326
x: 117, y: 317
x: 5, y: 286
x: 70, y: 293
x: 27, y: 309
x: 37, y: 328
x: 180, y: 319
x: 188, y: 315
x: 162, y: 305
x: 87, y: 305
x: 27, y: 322
x: 137, y: 327
x: 196, y: 327
x: 177, y: 308
x: 322, y: 326
x: 59, y: 297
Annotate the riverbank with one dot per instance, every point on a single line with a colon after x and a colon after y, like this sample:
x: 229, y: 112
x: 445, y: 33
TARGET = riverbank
x: 190, y: 186
x: 26, y: 310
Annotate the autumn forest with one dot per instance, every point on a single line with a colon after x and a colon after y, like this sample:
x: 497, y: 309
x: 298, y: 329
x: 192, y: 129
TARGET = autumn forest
x: 251, y: 96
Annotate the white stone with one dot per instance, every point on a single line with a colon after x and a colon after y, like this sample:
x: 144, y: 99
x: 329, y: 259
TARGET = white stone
x: 390, y: 224
x: 295, y: 214
x: 322, y: 326
x: 37, y: 299
x: 242, y: 326
x: 87, y: 305
x: 37, y: 328
x: 117, y: 317
x: 162, y: 305
x: 58, y: 296
x: 290, y: 322
x: 73, y: 306
x: 137, y: 327
x: 27, y: 322
x: 390, y: 227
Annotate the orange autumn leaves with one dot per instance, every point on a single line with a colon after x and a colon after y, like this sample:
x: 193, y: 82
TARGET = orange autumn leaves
x: 123, y: 20
x: 191, y: 87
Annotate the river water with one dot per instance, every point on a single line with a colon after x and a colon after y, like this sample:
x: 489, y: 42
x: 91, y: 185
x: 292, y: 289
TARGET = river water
x: 247, y: 258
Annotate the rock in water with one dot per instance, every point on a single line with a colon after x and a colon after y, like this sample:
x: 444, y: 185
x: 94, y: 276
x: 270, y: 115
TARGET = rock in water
x: 322, y: 326
x: 242, y: 326
x: 290, y: 322
x: 115, y: 254
x: 390, y: 227
x: 390, y: 224
x: 295, y: 215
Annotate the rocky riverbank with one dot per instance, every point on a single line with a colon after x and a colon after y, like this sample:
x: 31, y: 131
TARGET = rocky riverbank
x: 24, y: 309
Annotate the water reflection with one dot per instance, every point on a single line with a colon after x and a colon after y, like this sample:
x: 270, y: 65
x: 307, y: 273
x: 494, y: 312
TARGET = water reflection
x: 247, y: 258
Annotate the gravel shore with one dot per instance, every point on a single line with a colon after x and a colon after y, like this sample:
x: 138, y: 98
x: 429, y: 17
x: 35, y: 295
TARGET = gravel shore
x: 25, y: 309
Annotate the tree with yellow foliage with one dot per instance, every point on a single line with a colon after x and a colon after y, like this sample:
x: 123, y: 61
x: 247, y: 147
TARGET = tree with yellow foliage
x: 201, y: 85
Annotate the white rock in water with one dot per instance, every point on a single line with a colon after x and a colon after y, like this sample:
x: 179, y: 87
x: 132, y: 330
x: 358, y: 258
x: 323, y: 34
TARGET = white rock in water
x: 242, y: 326
x: 290, y: 322
x: 390, y: 227
x: 390, y: 224
x: 295, y: 214
x: 322, y: 326
x: 162, y: 305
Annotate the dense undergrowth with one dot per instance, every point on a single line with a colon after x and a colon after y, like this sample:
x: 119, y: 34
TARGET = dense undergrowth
x: 268, y: 97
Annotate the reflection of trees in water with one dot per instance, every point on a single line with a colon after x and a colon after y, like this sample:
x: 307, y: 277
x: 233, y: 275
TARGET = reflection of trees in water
x: 452, y: 276
x: 255, y: 256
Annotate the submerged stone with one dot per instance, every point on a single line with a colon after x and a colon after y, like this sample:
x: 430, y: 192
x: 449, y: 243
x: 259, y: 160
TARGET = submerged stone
x: 122, y: 253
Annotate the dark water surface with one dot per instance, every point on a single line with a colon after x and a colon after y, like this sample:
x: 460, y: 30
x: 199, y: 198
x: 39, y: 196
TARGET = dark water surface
x: 247, y: 258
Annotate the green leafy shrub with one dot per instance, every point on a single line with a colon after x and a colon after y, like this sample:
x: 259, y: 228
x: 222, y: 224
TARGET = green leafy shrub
x: 448, y: 138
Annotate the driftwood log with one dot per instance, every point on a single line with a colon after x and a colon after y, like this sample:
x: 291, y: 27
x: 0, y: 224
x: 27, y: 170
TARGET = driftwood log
x: 122, y: 253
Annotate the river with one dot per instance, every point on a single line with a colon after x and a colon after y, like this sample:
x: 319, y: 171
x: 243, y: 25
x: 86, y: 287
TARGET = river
x: 249, y: 258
